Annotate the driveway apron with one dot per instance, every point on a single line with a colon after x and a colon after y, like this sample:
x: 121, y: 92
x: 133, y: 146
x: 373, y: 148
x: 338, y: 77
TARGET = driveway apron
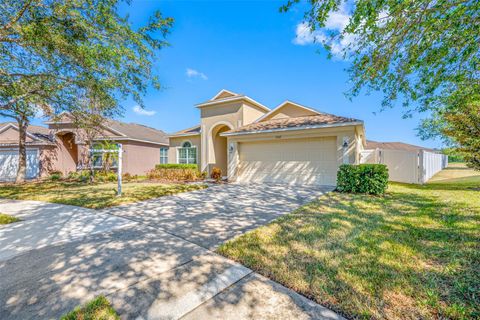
x: 211, y: 216
x: 150, y: 259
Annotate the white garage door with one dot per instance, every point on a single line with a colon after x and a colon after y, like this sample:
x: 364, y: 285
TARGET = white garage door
x: 296, y: 161
x: 9, y: 164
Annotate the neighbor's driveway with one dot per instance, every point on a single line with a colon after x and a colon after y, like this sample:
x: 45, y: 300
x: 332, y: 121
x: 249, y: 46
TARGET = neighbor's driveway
x: 211, y: 216
x: 61, y: 256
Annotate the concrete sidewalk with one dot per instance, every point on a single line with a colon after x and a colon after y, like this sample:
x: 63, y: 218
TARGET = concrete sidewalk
x: 44, y: 224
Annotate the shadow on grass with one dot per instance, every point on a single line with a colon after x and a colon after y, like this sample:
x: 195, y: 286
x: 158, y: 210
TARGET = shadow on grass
x: 471, y: 183
x: 141, y: 269
x: 94, y: 196
x: 453, y: 168
x: 401, y: 256
x: 144, y: 274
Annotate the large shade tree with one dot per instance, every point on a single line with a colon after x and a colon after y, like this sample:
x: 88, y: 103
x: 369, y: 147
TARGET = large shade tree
x: 57, y: 55
x: 424, y: 54
x: 458, y: 126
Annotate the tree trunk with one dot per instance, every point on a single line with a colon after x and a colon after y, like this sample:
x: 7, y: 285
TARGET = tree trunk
x: 22, y: 150
x: 91, y: 177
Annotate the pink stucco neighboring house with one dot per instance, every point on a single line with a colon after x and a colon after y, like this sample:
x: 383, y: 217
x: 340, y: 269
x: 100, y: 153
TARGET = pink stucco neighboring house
x: 60, y: 146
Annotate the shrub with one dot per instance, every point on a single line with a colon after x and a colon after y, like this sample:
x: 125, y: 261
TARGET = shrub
x: 216, y: 174
x: 72, y: 175
x: 80, y: 176
x: 176, y: 166
x: 130, y: 177
x: 363, y: 178
x: 55, y: 175
x: 175, y: 172
x: 106, y: 176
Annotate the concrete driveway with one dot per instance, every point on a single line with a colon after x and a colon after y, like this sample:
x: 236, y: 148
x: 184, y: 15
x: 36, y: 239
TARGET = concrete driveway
x: 61, y: 256
x: 211, y: 216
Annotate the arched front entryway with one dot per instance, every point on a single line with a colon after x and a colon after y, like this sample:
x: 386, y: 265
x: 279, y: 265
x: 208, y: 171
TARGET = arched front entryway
x: 68, y: 151
x: 219, y: 157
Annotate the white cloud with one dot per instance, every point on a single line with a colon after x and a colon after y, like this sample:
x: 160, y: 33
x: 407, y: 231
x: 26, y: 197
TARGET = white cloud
x: 192, y: 73
x: 337, y: 20
x: 304, y: 35
x: 39, y: 114
x: 336, y: 23
x: 139, y: 110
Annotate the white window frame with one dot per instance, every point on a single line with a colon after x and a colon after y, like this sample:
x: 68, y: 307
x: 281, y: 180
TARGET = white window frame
x: 187, y: 149
x: 102, y: 153
x: 164, y: 157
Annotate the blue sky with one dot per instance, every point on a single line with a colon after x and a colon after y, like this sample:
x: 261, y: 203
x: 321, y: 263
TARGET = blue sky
x: 249, y: 47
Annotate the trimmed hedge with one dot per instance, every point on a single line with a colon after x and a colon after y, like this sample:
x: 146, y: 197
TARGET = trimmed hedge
x: 175, y: 172
x: 176, y: 166
x: 362, y: 178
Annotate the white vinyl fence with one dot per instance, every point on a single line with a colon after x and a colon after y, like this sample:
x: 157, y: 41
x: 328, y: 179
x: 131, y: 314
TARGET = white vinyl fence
x: 407, y: 166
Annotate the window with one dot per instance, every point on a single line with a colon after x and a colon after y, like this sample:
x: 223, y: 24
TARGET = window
x: 104, y: 155
x: 163, y: 155
x: 187, y: 153
x: 97, y: 160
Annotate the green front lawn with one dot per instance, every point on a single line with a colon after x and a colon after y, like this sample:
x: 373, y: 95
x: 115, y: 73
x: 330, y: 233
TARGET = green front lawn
x: 97, y: 309
x: 6, y: 219
x: 95, y: 196
x: 411, y: 254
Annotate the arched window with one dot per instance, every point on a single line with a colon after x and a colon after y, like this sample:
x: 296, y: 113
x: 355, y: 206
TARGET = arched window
x: 187, y: 153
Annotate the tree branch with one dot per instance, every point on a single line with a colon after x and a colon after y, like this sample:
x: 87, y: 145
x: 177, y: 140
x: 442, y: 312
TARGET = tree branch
x: 11, y: 102
x: 6, y: 115
x: 18, y: 16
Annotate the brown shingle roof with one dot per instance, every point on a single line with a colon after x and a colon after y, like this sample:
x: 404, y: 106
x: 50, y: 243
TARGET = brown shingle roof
x: 395, y: 146
x: 287, y: 123
x: 139, y: 131
x: 42, y: 134
x: 192, y: 131
x: 129, y: 130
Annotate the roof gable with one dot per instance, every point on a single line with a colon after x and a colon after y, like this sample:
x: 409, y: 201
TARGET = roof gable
x: 196, y: 130
x: 35, y: 134
x: 9, y: 134
x: 288, y: 109
x: 62, y: 118
x: 222, y: 102
x: 224, y: 94
x: 114, y: 130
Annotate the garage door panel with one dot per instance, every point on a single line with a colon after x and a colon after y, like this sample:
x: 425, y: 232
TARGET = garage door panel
x: 9, y: 164
x: 299, y: 161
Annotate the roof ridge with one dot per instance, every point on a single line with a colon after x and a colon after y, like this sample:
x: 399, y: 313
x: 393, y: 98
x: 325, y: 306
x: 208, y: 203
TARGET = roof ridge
x: 135, y: 124
x: 222, y: 99
x: 145, y: 126
x: 306, y: 116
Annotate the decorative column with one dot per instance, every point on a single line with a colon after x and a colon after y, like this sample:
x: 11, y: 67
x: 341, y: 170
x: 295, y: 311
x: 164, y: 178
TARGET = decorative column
x: 233, y: 160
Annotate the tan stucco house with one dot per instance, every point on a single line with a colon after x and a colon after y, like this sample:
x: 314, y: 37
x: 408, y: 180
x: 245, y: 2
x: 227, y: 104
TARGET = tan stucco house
x: 249, y: 142
x: 290, y: 143
x: 62, y: 147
